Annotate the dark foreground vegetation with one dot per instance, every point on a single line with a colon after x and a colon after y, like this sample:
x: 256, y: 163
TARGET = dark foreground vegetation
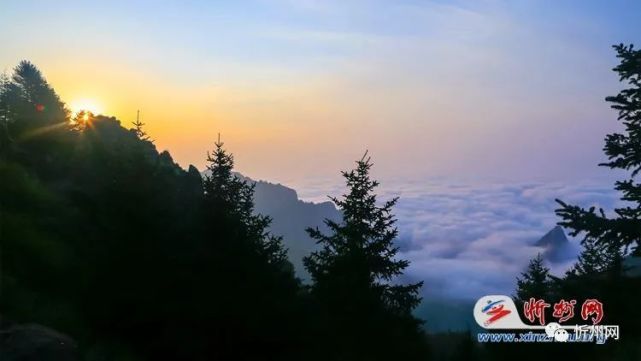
x: 110, y: 242
x: 127, y: 256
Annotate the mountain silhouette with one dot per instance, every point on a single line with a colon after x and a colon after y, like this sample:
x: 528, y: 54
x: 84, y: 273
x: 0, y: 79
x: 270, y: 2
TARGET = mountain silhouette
x: 556, y: 246
x: 290, y: 217
x: 554, y: 238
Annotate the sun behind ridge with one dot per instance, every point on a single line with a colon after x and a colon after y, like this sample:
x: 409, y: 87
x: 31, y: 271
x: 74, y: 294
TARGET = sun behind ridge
x: 88, y: 105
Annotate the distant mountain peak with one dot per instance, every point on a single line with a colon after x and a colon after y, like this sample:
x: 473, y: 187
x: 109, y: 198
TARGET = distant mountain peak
x: 556, y: 246
x: 555, y: 237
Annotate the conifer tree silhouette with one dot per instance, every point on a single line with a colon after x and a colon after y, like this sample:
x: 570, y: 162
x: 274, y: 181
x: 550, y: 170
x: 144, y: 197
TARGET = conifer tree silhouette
x: 607, y: 239
x: 356, y: 270
x: 596, y: 258
x: 232, y: 197
x: 534, y: 282
x: 33, y: 100
x: 138, y: 129
x: 624, y: 153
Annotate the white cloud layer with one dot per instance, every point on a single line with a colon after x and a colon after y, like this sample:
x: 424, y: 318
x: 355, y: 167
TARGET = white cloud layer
x: 468, y: 240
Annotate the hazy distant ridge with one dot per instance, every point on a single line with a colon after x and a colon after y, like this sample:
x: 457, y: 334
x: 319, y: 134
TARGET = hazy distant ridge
x: 291, y: 216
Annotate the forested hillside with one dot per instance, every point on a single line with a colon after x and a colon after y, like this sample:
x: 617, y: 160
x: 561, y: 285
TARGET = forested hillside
x: 112, y: 251
x: 109, y: 242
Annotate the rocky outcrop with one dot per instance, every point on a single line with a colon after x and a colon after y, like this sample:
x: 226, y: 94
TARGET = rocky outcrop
x: 33, y: 342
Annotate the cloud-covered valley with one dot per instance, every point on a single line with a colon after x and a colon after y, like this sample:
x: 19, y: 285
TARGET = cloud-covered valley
x: 466, y: 240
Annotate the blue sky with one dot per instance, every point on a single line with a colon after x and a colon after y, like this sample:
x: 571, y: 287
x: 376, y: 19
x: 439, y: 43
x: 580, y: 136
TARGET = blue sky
x: 505, y: 89
x: 477, y: 113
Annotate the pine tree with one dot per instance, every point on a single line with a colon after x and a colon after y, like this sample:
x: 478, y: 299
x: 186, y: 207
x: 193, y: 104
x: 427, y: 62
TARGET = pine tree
x: 35, y: 103
x: 624, y: 152
x: 354, y: 275
x: 232, y: 198
x: 5, y: 114
x: 138, y: 129
x: 363, y: 246
x: 34, y: 120
x: 596, y: 258
x: 250, y: 291
x: 534, y: 282
x: 607, y: 238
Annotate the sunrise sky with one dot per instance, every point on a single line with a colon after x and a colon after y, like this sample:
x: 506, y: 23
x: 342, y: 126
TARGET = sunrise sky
x: 485, y: 89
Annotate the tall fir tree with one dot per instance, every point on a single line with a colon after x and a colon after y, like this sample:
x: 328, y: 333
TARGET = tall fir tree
x: 138, y: 129
x: 534, y: 282
x: 624, y: 153
x: 355, y: 270
x: 596, y: 258
x: 233, y: 198
x: 607, y: 238
x: 5, y: 114
x: 255, y: 289
x: 34, y: 102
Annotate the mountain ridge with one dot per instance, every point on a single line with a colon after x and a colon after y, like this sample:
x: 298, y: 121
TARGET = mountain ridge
x: 291, y: 216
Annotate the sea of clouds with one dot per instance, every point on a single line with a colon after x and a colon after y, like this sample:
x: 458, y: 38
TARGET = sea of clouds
x: 466, y: 240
